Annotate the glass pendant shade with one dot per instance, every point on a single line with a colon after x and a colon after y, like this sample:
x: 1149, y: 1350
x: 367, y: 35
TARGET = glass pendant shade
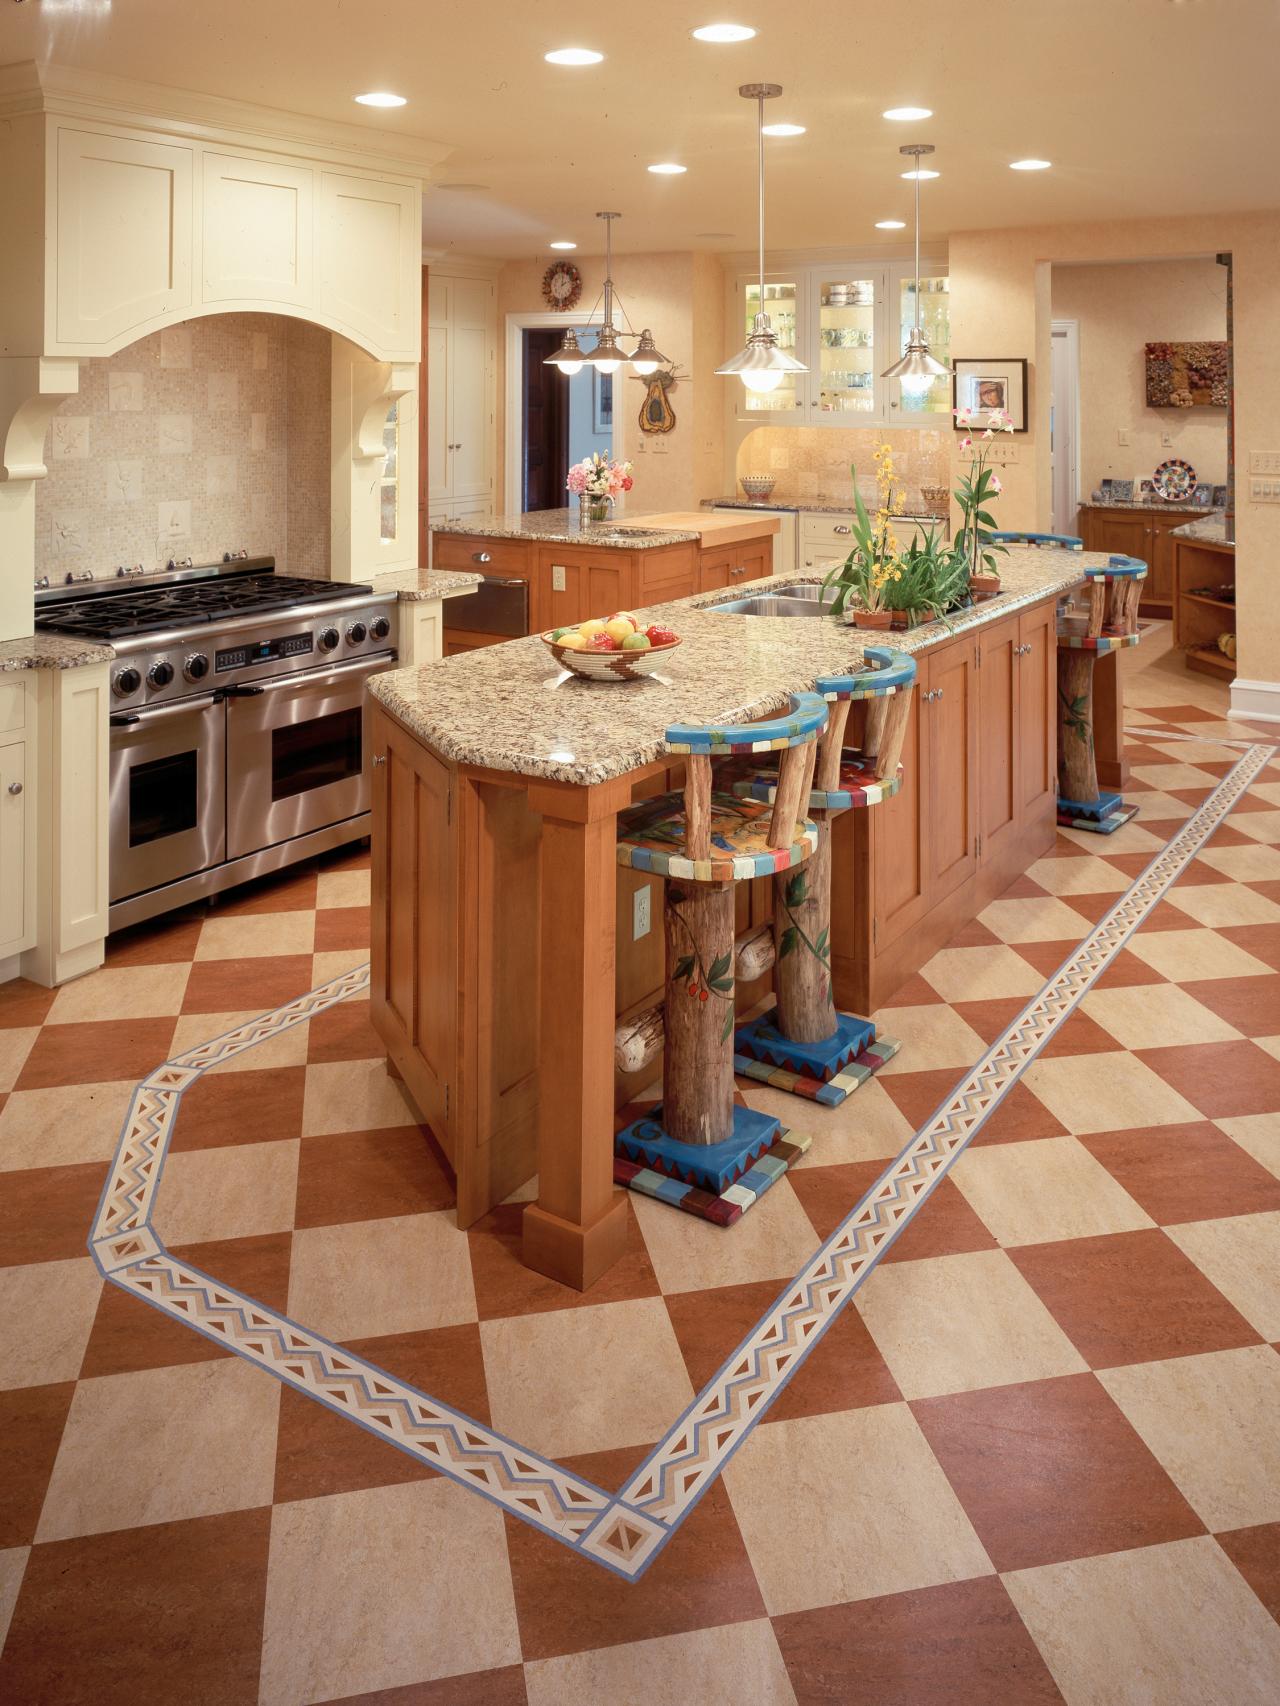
x: 648, y: 358
x: 568, y: 358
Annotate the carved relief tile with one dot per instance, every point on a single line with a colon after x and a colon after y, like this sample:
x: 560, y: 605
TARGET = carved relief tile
x: 173, y: 435
x: 70, y: 438
x: 124, y: 393
x: 173, y: 519
x: 68, y: 531
x: 124, y: 482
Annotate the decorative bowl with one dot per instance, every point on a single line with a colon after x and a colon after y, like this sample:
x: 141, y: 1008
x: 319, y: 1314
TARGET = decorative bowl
x: 757, y: 485
x: 608, y: 666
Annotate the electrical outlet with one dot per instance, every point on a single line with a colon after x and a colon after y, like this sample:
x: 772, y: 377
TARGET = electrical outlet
x: 557, y: 577
x: 1264, y: 462
x: 1264, y: 491
x: 1123, y: 436
x: 641, y: 912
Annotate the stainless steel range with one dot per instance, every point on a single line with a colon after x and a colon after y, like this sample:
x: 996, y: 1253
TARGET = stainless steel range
x: 237, y: 727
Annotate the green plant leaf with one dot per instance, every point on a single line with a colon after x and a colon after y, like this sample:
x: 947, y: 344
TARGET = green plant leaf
x: 730, y: 1019
x: 797, y: 888
x: 790, y: 941
x: 719, y: 967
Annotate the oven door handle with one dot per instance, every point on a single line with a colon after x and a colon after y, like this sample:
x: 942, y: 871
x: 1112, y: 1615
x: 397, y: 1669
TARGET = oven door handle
x: 316, y: 677
x: 124, y: 719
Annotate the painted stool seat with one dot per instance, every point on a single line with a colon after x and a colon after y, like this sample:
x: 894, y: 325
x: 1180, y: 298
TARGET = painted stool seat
x: 1042, y: 541
x: 652, y: 837
x: 859, y: 785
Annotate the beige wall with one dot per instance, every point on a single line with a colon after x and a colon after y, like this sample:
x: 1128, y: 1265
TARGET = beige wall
x: 1120, y: 309
x: 814, y: 462
x: 1001, y: 305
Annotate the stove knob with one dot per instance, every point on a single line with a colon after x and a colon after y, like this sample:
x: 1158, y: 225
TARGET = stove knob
x: 329, y: 639
x: 356, y: 633
x: 379, y: 628
x: 125, y: 681
x: 160, y: 674
x: 196, y: 667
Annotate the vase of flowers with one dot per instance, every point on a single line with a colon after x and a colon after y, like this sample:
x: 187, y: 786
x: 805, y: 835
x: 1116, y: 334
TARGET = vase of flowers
x: 597, y: 481
x: 975, y: 491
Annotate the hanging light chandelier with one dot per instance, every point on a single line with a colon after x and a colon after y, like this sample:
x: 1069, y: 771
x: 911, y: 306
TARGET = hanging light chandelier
x: 762, y: 364
x: 916, y: 370
x: 608, y: 354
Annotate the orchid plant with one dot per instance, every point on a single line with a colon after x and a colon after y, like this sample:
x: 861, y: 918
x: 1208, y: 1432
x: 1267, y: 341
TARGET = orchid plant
x: 921, y: 580
x: 977, y: 488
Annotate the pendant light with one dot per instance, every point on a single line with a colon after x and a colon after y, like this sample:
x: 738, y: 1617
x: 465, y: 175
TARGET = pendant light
x: 608, y: 354
x: 762, y: 365
x: 568, y: 358
x: 917, y: 369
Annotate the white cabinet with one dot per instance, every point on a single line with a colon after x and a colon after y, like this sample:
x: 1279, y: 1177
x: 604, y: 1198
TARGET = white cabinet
x: 17, y: 817
x: 258, y: 229
x: 370, y: 252
x: 460, y: 344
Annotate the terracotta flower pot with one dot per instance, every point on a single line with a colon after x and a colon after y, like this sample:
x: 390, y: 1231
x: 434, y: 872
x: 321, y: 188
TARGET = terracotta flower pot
x: 983, y: 586
x: 880, y: 619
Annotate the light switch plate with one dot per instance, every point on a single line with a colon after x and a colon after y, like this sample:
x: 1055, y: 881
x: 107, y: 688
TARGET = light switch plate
x: 1264, y: 491
x: 1166, y: 439
x: 1122, y: 437
x: 1264, y: 462
x: 641, y: 912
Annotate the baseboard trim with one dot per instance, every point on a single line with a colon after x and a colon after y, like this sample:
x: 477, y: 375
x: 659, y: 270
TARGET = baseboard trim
x: 1259, y: 701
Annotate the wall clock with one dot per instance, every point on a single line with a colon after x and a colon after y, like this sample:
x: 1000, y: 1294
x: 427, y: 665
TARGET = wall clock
x: 561, y: 285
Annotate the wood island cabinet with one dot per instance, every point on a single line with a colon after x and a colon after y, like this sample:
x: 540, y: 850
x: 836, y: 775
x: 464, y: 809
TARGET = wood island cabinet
x: 731, y: 565
x: 1140, y: 533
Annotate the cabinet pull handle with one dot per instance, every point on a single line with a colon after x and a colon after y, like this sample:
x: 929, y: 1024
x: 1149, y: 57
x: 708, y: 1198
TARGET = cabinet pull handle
x: 379, y: 758
x: 481, y: 557
x: 841, y: 528
x: 15, y: 787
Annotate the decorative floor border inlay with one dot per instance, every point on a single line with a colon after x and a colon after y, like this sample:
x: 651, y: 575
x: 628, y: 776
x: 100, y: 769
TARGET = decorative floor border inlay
x: 625, y: 1531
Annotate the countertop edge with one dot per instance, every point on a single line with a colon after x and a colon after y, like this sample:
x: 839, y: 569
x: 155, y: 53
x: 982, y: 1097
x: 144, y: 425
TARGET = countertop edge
x: 52, y: 651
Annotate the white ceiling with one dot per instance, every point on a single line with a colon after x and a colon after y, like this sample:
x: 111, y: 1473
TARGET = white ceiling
x: 1144, y: 106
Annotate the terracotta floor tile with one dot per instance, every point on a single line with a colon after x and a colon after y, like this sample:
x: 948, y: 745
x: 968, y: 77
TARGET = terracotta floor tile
x: 1051, y: 1470
x: 1250, y: 1004
x: 1134, y: 864
x: 845, y: 1373
x: 344, y: 1033
x: 975, y: 934
x: 290, y: 890
x: 1255, y: 1552
x: 1191, y: 1172
x: 945, y: 1226
x: 1131, y: 1297
x: 503, y: 1687
x: 31, y: 1423
x: 917, y: 991
x: 24, y: 1003
x: 1080, y: 1034
x: 990, y: 1019
x: 1261, y: 941
x: 168, y: 1612
x: 46, y: 1212
x: 1126, y: 971
x: 342, y: 927
x: 94, y: 1052
x: 229, y: 986
x: 960, y: 1644
x: 1222, y: 1080
x: 504, y: 1286
x: 368, y: 1175
x: 318, y: 1452
x: 567, y: 1605
x: 157, y: 942
x: 128, y: 1334
x: 1019, y: 1115
x: 16, y: 1043
x: 240, y: 1107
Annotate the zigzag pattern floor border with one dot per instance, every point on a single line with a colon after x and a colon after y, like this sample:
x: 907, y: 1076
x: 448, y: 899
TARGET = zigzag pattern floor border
x: 623, y: 1532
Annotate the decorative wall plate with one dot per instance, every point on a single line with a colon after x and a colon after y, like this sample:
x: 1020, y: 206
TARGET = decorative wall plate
x: 561, y: 285
x: 1174, y: 479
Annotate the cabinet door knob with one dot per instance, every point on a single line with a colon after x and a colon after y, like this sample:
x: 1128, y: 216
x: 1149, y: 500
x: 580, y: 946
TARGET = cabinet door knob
x: 15, y: 787
x: 481, y: 557
x: 937, y: 693
x: 379, y: 758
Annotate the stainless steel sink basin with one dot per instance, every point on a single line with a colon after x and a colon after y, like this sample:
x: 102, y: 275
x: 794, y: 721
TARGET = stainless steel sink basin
x: 772, y: 604
x: 813, y: 590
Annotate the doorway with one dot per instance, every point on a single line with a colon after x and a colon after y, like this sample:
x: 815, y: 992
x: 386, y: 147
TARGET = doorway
x: 545, y: 426
x: 552, y: 419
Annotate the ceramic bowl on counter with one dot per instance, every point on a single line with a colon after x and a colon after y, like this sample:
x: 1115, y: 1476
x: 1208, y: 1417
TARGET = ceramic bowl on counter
x: 757, y: 485
x: 609, y: 666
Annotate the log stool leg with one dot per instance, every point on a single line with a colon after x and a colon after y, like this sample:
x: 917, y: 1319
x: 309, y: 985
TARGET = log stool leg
x: 697, y: 1068
x: 1081, y: 803
x: 802, y: 945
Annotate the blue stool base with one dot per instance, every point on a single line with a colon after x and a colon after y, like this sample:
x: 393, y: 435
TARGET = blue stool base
x: 1103, y: 816
x: 826, y: 1072
x: 711, y: 1167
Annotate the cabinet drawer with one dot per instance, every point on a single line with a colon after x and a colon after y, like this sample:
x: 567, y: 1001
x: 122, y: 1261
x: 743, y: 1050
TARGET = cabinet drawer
x: 504, y: 556
x: 13, y: 704
x: 827, y: 532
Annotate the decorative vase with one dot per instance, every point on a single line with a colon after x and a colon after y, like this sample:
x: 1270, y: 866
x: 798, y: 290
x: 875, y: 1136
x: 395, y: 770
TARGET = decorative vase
x: 983, y: 586
x: 592, y: 508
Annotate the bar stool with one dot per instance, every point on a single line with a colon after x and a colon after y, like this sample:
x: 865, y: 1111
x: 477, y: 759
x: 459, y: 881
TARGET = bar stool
x: 703, y: 843
x: 803, y: 1044
x: 1109, y: 624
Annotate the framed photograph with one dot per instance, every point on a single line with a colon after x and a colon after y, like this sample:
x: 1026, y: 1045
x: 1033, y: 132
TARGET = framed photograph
x: 1104, y: 486
x: 1147, y: 491
x: 601, y: 401
x: 1219, y: 497
x: 996, y: 383
x: 1122, y: 491
x: 1202, y: 497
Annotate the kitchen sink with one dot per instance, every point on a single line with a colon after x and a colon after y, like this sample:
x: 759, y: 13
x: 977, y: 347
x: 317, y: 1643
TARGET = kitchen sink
x: 772, y: 604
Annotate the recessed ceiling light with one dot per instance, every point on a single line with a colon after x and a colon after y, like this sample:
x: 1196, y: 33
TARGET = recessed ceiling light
x: 891, y: 224
x: 921, y: 172
x: 784, y: 130
x: 380, y: 98
x: 906, y: 115
x: 573, y: 56
x: 1030, y: 165
x: 562, y: 245
x: 723, y: 32
x: 668, y: 169
x: 714, y: 236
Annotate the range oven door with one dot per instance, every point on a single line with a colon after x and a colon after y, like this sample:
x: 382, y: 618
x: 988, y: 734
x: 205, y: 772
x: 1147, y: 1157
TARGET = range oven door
x: 296, y: 756
x: 168, y: 795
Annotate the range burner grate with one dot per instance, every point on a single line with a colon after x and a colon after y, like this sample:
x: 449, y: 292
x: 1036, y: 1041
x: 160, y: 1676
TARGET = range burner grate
x: 110, y: 616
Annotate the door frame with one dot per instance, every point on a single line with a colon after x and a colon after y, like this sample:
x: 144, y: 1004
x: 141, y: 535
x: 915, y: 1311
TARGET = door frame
x: 513, y: 413
x: 1069, y: 332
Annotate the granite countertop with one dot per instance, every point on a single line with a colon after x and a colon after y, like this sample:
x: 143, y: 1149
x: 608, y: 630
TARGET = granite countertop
x: 1206, y: 530
x: 814, y: 506
x: 507, y: 708
x: 53, y: 651
x: 417, y: 586
x: 1157, y: 507
x: 560, y: 527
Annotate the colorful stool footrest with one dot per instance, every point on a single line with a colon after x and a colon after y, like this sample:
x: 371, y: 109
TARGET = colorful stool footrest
x: 827, y: 1072
x: 724, y: 1207
x: 1103, y: 816
x: 859, y: 786
x: 711, y: 1166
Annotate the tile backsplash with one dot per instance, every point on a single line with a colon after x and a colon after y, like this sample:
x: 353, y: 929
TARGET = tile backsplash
x: 204, y: 438
x: 813, y: 462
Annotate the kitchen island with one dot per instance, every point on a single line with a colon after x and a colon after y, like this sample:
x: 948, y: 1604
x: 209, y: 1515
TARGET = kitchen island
x: 503, y: 939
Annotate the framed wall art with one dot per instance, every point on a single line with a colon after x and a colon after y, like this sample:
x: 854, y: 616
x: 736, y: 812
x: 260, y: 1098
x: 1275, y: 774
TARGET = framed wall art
x: 995, y: 382
x: 1186, y: 375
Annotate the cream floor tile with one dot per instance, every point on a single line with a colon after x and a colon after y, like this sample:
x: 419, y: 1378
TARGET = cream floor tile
x: 1173, y: 1625
x: 288, y: 1048
x: 588, y: 1379
x: 1193, y: 751
x: 383, y: 1589
x: 1046, y: 919
x: 1269, y: 791
x: 774, y: 1241
x: 342, y: 888
x: 1189, y: 955
x: 1106, y: 1092
x: 933, y: 1036
x: 1154, y: 806
x: 1129, y: 838
x: 237, y: 1191
x: 163, y: 1445
x: 256, y: 937
x: 1271, y: 1044
x: 46, y: 1313
x: 16, y: 1043
x: 1089, y: 875
x: 1241, y: 1255
x: 959, y: 1323
x: 867, y: 1127
x: 1222, y: 904
x: 1260, y: 826
x: 398, y: 1275
x: 1174, y: 774
x: 354, y: 1095
x: 13, y: 1562
x: 1213, y: 1421
x: 1037, y: 1192
x: 737, y: 1664
x: 121, y: 992
x: 59, y: 1127
x: 985, y: 974
x: 848, y: 1506
x: 1258, y: 1133
x: 335, y: 963
x: 1259, y: 864
x: 1156, y: 1015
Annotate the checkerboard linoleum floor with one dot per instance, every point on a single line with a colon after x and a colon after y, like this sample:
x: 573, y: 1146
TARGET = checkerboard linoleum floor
x: 1039, y: 1459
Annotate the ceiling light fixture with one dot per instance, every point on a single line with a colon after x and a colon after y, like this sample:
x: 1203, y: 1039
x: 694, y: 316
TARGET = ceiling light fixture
x: 667, y: 169
x: 573, y: 56
x: 762, y: 364
x: 723, y: 32
x: 562, y: 245
x: 891, y: 224
x: 380, y: 98
x: 1030, y: 165
x: 569, y: 357
x: 608, y: 354
x: 907, y: 115
x: 784, y: 130
x: 917, y: 369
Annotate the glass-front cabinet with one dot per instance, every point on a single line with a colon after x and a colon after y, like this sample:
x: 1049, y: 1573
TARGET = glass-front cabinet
x: 935, y: 318
x: 844, y: 380
x: 780, y: 304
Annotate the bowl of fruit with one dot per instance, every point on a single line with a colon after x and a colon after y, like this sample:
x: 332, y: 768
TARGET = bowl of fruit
x: 612, y: 648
